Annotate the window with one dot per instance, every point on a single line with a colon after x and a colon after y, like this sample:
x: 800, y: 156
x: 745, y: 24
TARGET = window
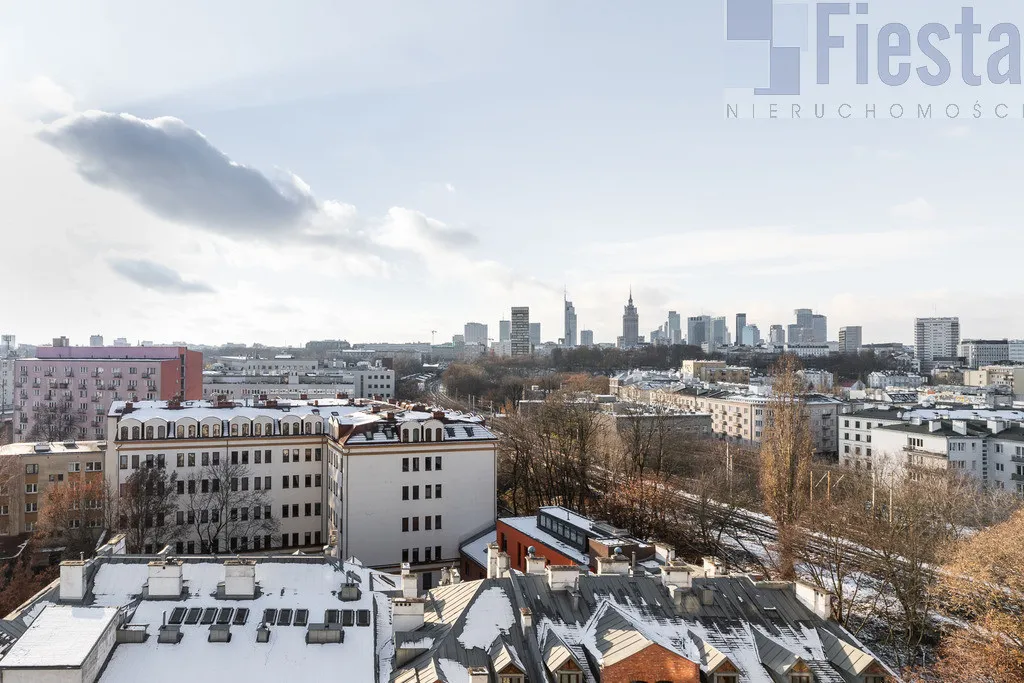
x: 31, y: 488
x: 800, y: 678
x: 437, y: 490
x: 284, y: 481
x: 427, y: 491
x: 427, y: 462
x: 405, y: 493
x: 308, y: 511
x: 31, y: 507
x: 437, y: 552
x: 415, y: 523
x: 415, y: 464
x: 77, y: 466
x: 575, y: 677
x: 405, y: 524
x: 727, y: 678
x: 31, y: 469
x: 415, y: 492
x: 284, y: 514
x: 427, y: 523
x: 405, y: 554
x: 511, y: 678
x: 405, y: 464
x: 437, y: 462
x: 437, y: 521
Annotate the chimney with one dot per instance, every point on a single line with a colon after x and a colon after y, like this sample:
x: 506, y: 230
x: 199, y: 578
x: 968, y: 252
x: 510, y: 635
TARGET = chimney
x: 664, y: 553
x: 563, y: 577
x: 679, y: 575
x: 410, y: 582
x: 526, y: 618
x: 164, y: 579
x: 934, y: 425
x: 813, y: 598
x: 535, y: 563
x: 504, y: 564
x: 707, y: 595
x: 72, y: 580
x: 240, y: 579
x: 438, y: 414
x: 496, y: 567
x: 478, y: 674
x: 960, y: 427
x: 408, y: 614
x: 712, y: 566
x: 996, y: 426
x: 617, y: 564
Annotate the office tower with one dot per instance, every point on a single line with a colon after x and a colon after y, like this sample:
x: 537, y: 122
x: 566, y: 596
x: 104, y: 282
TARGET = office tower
x: 741, y: 323
x: 569, y: 339
x: 630, y: 325
x: 751, y: 336
x: 978, y: 353
x: 850, y: 339
x: 804, y: 317
x: 535, y: 334
x: 936, y: 339
x: 520, y: 331
x: 475, y: 333
x: 504, y: 330
x: 458, y: 340
x: 96, y: 340
x: 819, y: 329
x: 586, y: 337
x: 776, y: 335
x: 675, y: 330
x: 698, y: 330
x: 719, y: 332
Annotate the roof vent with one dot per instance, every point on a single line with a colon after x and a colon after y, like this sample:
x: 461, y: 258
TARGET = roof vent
x: 42, y: 447
x: 219, y: 633
x: 169, y: 633
x: 321, y: 634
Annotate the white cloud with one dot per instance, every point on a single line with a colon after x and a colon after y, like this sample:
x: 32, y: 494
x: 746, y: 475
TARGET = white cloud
x: 449, y: 187
x: 915, y: 210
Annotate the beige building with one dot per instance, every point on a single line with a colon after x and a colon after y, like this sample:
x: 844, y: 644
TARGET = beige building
x: 30, y: 468
x: 715, y: 371
x: 1011, y: 376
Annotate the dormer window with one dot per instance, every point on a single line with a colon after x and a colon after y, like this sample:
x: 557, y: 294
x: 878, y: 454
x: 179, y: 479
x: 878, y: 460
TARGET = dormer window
x: 800, y: 678
x: 234, y: 430
x: 876, y: 679
x: 727, y: 678
x: 570, y: 677
x: 511, y: 678
x: 206, y: 431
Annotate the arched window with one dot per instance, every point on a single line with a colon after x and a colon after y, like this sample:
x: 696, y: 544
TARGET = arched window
x: 161, y: 432
x: 309, y: 428
x: 415, y: 436
x: 216, y: 430
x: 205, y: 431
x: 234, y: 430
x: 181, y: 431
x: 149, y: 432
x: 191, y: 431
x: 429, y: 435
x: 135, y: 432
x: 245, y: 430
x: 124, y: 433
x: 259, y: 429
x: 438, y: 430
x: 319, y: 428
x: 284, y: 428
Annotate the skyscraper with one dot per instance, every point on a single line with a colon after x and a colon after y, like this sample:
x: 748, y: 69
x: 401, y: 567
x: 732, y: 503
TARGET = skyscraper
x: 819, y: 327
x: 570, y: 325
x: 750, y: 336
x: 504, y: 330
x: 776, y: 335
x: 936, y: 339
x: 850, y: 339
x: 520, y: 331
x: 475, y: 333
x: 741, y: 322
x: 675, y: 330
x: 630, y: 325
x: 698, y: 329
x: 535, y: 334
x: 810, y: 328
x: 719, y: 332
x: 586, y: 337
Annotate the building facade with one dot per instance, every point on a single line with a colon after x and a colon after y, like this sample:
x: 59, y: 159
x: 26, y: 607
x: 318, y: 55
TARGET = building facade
x: 630, y: 325
x: 84, y: 381
x: 475, y: 333
x: 979, y: 352
x: 698, y: 330
x: 389, y: 484
x: 850, y: 339
x: 936, y: 339
x: 519, y: 331
x: 855, y: 439
x: 569, y: 340
x: 586, y: 338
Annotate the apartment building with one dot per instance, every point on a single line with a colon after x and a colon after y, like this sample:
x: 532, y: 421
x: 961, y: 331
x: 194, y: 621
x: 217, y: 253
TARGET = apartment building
x: 989, y: 451
x: 936, y: 340
x: 375, y: 382
x: 855, y: 439
x: 1010, y: 376
x: 979, y: 352
x: 742, y: 417
x: 388, y: 484
x: 278, y: 365
x: 850, y: 339
x: 6, y: 383
x: 714, y: 371
x: 519, y: 332
x: 32, y: 468
x: 85, y: 380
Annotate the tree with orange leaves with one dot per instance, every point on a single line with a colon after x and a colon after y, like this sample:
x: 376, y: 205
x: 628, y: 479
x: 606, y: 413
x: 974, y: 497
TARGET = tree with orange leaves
x: 74, y: 514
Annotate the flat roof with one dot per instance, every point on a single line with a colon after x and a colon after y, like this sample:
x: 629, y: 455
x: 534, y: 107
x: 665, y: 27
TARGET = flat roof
x: 55, y: 448
x: 60, y: 636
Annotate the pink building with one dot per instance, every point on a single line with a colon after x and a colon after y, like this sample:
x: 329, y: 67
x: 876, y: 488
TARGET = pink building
x: 84, y: 380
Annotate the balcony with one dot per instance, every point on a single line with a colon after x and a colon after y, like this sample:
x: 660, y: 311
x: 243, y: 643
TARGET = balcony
x: 1017, y: 458
x: 146, y: 375
x: 116, y: 373
x: 48, y: 373
x: 1017, y: 477
x: 69, y: 373
x: 19, y: 384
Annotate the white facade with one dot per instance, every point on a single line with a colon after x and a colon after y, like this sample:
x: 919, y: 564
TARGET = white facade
x: 935, y: 338
x: 980, y: 352
x: 809, y: 350
x: 855, y: 436
x: 475, y: 333
x: 884, y: 380
x: 280, y: 365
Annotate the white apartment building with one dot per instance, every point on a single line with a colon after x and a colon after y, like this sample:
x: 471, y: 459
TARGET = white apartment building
x: 855, y: 437
x: 385, y: 483
x: 935, y: 339
x: 278, y: 365
x: 885, y: 380
x: 980, y: 352
x: 809, y: 349
x: 363, y: 381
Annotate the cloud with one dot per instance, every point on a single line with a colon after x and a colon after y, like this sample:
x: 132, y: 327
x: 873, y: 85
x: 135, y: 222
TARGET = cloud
x: 916, y: 210
x: 157, y: 277
x: 449, y: 187
x: 176, y: 173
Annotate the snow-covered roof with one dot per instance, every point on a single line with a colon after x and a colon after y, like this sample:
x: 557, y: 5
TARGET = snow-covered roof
x: 60, y: 636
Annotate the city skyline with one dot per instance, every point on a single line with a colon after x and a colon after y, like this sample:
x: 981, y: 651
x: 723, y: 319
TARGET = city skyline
x: 476, y: 185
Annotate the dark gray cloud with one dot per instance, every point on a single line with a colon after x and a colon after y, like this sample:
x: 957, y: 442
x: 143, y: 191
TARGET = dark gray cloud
x: 159, y: 278
x: 177, y: 174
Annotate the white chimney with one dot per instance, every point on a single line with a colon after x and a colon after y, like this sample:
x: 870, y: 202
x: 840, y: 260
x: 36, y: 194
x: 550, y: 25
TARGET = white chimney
x: 165, y: 579
x: 996, y: 426
x: 526, y: 618
x: 535, y: 564
x: 934, y: 425
x: 712, y: 566
x: 240, y: 579
x: 813, y: 598
x: 410, y: 582
x: 679, y: 575
x: 407, y: 614
x: 478, y: 674
x: 562, y: 577
x: 960, y: 427
x: 617, y: 564
x: 493, y: 550
x: 707, y: 595
x: 72, y: 580
x: 664, y: 553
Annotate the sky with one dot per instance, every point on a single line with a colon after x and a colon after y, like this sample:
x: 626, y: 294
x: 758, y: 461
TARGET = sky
x: 249, y: 171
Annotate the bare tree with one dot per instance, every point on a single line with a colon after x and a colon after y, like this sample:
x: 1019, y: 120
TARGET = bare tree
x: 786, y: 452
x: 223, y: 501
x: 146, y: 509
x: 10, y: 478
x: 54, y: 422
x: 74, y: 514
